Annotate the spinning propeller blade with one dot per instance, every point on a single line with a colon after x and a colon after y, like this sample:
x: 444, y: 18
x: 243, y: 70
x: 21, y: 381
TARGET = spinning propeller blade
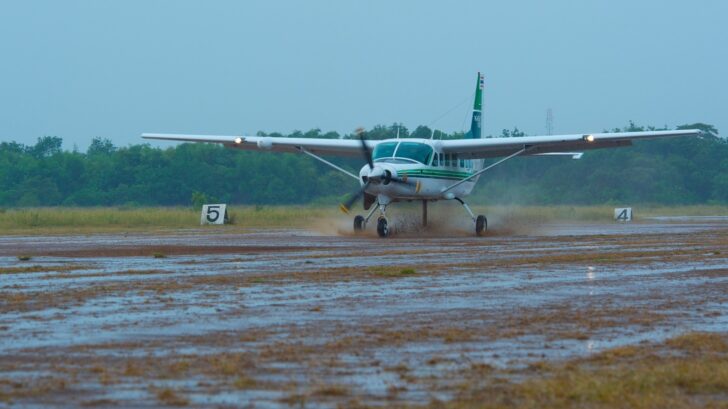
x: 361, y: 133
x: 344, y: 207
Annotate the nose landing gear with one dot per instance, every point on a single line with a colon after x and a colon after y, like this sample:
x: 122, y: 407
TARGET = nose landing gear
x: 360, y: 222
x: 382, y: 227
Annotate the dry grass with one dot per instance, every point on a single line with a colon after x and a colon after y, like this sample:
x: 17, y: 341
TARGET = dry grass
x: 245, y: 382
x: 331, y: 391
x: 689, y: 371
x: 43, y: 269
x: 168, y: 396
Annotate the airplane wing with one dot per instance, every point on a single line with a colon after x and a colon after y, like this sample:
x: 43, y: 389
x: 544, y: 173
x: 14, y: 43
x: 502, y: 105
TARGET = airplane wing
x: 319, y: 146
x: 495, y: 147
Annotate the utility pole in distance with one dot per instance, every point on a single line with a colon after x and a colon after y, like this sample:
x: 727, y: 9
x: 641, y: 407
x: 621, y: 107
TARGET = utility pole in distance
x: 549, y: 122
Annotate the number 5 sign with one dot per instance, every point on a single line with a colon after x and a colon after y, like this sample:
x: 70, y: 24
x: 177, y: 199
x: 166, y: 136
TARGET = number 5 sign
x: 213, y: 214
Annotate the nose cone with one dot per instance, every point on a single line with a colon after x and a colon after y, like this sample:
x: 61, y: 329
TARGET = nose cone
x: 375, y: 174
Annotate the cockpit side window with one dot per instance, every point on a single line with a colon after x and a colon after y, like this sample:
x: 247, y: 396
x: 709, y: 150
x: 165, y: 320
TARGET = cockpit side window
x: 384, y: 150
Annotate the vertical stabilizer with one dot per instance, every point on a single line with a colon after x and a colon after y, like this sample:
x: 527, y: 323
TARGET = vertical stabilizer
x: 476, y: 123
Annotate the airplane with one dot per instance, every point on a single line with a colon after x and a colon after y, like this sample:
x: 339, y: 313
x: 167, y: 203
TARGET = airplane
x: 427, y: 170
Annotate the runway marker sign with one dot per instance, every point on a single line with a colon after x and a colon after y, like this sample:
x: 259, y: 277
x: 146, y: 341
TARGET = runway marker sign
x: 214, y: 214
x: 623, y: 214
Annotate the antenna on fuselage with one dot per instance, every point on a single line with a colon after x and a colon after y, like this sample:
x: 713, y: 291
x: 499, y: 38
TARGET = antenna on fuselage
x: 398, y: 126
x: 432, y: 136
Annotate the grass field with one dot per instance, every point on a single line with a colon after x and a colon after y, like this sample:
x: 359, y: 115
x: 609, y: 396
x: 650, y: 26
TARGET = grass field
x: 684, y: 372
x: 102, y: 219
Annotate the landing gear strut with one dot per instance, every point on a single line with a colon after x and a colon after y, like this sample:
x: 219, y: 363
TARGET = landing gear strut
x: 382, y: 225
x: 481, y: 223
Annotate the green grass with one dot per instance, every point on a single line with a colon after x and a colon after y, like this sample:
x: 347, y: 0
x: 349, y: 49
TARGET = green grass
x: 109, y: 219
x: 100, y: 219
x: 395, y: 273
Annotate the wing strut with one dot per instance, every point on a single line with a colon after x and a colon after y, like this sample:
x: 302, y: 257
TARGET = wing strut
x: 458, y: 183
x: 302, y: 149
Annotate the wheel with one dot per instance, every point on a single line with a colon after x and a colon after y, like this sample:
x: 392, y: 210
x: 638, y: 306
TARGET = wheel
x: 358, y: 223
x: 481, y: 225
x: 382, y: 229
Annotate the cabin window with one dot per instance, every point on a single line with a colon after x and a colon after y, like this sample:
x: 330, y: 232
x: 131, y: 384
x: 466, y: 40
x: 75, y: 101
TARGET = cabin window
x: 447, y: 159
x: 418, y: 152
x: 384, y: 150
x: 454, y: 159
x: 435, y: 160
x: 462, y: 163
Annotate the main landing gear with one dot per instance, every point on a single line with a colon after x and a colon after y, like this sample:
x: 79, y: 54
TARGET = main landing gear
x: 481, y: 222
x: 481, y: 225
x: 360, y: 222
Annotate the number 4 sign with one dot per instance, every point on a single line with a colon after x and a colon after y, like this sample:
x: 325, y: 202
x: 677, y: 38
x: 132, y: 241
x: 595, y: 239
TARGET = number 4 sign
x: 214, y: 214
x: 623, y: 214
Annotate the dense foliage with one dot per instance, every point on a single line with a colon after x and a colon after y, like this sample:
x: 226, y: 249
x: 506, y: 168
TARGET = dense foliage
x: 672, y: 171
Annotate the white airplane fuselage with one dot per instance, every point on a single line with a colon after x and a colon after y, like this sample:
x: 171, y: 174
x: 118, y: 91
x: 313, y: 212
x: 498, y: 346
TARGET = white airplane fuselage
x: 425, y: 179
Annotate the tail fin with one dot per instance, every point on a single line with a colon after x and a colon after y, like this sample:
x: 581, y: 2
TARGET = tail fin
x: 475, y: 124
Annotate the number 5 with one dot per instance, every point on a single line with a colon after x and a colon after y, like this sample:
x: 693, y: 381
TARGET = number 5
x: 210, y: 211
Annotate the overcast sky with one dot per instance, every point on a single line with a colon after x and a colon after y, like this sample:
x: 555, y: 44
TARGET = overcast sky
x: 80, y: 69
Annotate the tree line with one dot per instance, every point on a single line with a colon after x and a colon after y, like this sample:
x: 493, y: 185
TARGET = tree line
x: 667, y: 171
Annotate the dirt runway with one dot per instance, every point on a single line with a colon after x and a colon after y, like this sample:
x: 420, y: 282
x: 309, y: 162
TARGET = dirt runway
x: 280, y: 318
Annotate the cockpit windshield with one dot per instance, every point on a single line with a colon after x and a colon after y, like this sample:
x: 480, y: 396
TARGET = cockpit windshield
x: 419, y: 152
x: 384, y: 150
x: 409, y: 151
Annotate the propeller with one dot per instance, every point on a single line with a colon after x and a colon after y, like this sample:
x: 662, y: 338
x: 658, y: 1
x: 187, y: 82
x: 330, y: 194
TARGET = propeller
x: 347, y: 205
x: 385, y: 178
x: 360, y: 132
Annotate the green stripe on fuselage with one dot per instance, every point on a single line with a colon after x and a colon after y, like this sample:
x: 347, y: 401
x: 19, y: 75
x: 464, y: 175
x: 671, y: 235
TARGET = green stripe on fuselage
x: 434, y: 173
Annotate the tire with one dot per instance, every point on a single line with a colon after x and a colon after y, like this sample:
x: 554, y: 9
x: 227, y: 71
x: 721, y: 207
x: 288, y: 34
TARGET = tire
x: 358, y: 223
x: 481, y: 225
x: 382, y: 228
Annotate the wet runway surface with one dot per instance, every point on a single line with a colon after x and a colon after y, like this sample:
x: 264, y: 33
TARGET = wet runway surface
x: 279, y: 318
